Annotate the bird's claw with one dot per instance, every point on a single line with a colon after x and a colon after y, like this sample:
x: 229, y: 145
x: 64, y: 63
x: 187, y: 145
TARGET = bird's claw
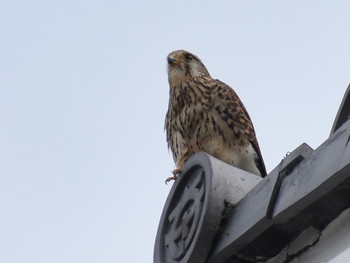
x: 170, y: 179
x: 175, y: 173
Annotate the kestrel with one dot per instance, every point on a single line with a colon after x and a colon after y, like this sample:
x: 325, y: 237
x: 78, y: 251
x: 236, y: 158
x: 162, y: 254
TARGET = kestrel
x: 205, y: 114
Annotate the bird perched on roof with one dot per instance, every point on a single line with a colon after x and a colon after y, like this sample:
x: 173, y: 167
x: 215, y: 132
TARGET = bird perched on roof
x: 205, y: 114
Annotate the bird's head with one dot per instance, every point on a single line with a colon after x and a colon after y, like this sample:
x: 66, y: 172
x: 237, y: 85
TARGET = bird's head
x: 183, y: 65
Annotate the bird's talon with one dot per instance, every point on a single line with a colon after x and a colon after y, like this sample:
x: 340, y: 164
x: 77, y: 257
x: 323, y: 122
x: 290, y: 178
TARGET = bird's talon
x: 175, y: 173
x: 170, y: 179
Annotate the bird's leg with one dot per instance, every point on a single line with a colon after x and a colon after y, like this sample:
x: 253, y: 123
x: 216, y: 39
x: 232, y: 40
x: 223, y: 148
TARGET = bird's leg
x: 175, y: 173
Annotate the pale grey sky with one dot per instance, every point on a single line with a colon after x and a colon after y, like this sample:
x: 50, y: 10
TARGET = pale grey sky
x: 83, y: 94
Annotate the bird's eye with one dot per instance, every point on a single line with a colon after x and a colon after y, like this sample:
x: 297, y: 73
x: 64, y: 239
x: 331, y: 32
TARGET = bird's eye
x: 188, y: 57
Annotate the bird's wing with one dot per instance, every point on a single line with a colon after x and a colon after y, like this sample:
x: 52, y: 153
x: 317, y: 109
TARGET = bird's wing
x: 235, y: 114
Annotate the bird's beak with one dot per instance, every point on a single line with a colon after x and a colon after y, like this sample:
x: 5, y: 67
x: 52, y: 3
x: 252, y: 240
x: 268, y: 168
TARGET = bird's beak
x: 171, y: 60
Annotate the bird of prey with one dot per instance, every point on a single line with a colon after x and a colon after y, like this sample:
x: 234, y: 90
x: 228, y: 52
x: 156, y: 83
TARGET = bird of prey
x: 205, y: 114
